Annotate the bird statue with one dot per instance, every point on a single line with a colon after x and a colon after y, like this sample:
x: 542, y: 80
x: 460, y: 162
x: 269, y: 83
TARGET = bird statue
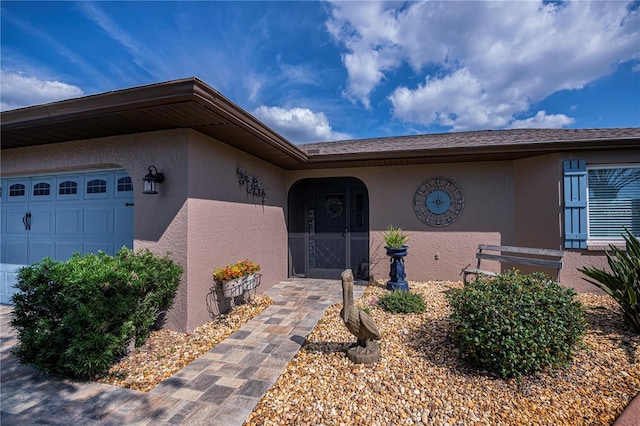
x: 359, y: 324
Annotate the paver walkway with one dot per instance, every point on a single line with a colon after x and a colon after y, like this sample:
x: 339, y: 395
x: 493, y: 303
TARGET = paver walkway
x: 220, y: 388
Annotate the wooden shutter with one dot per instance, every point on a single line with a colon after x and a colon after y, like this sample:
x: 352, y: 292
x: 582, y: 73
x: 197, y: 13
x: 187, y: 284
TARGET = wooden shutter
x: 575, y: 204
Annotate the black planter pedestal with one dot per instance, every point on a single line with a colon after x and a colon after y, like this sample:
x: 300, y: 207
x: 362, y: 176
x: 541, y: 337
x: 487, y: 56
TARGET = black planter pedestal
x: 397, y: 275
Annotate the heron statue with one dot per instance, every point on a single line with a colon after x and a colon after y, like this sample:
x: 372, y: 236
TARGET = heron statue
x: 366, y: 350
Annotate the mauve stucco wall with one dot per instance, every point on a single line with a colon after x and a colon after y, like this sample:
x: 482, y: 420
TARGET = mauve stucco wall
x: 226, y: 224
x: 509, y: 203
x: 538, y: 205
x: 434, y: 253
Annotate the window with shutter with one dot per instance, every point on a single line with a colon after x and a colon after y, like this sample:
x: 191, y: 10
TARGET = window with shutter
x: 614, y: 202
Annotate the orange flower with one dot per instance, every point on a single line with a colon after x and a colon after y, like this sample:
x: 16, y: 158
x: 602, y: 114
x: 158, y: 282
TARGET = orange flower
x: 237, y: 270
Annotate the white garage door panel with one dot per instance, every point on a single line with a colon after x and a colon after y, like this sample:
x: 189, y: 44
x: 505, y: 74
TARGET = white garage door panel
x: 69, y: 221
x: 98, y: 220
x: 64, y: 250
x: 38, y: 250
x: 95, y: 247
x: 8, y: 275
x: 123, y: 220
x: 15, y: 252
x: 70, y: 212
x: 42, y: 221
x: 13, y: 219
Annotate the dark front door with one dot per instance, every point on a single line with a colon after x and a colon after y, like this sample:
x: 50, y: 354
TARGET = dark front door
x: 328, y: 228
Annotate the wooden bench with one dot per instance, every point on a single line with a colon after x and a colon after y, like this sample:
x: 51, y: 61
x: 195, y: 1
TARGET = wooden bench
x: 518, y: 255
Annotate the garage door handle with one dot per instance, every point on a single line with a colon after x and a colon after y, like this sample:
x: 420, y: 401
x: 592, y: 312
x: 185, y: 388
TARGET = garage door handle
x: 27, y: 221
x: 128, y: 204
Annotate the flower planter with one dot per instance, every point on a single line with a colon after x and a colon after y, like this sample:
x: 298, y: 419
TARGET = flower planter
x: 233, y: 288
x: 250, y: 282
x: 396, y: 273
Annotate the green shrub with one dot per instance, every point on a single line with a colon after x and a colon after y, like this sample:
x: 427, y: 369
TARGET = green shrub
x: 623, y: 282
x: 75, y: 318
x: 516, y: 324
x: 402, y: 302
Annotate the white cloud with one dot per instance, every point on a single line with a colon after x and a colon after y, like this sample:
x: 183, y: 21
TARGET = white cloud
x: 480, y: 62
x: 253, y: 85
x: 370, y: 34
x: 300, y: 74
x: 144, y: 60
x: 299, y: 125
x: 87, y: 69
x: 113, y: 30
x: 542, y: 121
x: 17, y: 91
x: 365, y: 72
x: 458, y: 100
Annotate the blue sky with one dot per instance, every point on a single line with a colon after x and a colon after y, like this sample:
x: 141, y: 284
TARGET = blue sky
x: 320, y: 71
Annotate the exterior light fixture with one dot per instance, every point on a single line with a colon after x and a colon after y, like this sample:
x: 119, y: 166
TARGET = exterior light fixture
x: 150, y: 180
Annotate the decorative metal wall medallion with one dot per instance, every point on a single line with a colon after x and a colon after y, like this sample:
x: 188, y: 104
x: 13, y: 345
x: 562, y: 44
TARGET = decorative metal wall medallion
x: 438, y: 202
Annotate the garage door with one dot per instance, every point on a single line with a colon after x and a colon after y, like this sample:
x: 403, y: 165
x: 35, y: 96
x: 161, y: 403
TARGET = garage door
x: 57, y: 215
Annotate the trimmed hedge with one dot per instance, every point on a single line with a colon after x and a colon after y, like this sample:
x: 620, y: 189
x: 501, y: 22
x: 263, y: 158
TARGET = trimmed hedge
x: 76, y: 318
x: 516, y: 324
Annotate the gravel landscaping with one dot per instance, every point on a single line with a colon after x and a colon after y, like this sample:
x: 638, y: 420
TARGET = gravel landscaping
x: 421, y: 380
x: 166, y: 352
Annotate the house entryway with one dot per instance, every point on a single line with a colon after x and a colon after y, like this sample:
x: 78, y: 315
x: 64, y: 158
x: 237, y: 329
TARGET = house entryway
x: 328, y: 228
x: 56, y: 215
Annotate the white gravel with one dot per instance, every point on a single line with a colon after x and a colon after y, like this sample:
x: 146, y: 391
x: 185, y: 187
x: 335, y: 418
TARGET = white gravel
x: 421, y: 380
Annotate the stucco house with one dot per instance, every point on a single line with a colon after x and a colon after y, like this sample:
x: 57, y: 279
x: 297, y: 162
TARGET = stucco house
x: 234, y: 189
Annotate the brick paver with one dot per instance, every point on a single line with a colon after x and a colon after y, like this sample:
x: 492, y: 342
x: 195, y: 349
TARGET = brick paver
x: 220, y: 388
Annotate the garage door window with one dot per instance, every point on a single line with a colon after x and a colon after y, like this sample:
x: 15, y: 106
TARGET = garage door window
x: 68, y: 188
x: 125, y: 185
x: 96, y: 186
x: 16, y: 190
x: 41, y: 189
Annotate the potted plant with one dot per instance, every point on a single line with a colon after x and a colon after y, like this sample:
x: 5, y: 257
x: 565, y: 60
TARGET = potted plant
x: 395, y: 239
x: 237, y: 278
x: 229, y: 278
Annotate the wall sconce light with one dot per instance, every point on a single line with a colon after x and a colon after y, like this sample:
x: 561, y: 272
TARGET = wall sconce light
x: 150, y: 180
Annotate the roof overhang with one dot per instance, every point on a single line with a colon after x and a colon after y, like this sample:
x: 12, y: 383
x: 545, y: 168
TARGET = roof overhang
x: 457, y: 154
x: 190, y: 103
x: 186, y: 103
